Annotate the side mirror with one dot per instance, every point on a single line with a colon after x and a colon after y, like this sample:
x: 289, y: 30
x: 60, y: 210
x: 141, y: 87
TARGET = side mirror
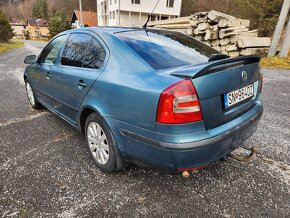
x: 30, y: 59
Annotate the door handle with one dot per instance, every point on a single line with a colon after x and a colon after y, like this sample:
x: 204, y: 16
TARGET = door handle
x: 48, y: 75
x: 82, y: 84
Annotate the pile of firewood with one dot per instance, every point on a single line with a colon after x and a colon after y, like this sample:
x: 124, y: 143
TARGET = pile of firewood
x: 225, y: 33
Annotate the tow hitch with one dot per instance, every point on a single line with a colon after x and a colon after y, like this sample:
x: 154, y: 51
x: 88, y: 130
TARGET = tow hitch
x: 194, y: 170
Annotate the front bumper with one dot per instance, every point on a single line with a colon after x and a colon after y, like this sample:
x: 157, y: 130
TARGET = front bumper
x: 192, y: 154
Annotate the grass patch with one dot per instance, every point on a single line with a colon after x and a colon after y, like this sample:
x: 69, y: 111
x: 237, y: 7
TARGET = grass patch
x: 276, y: 62
x: 10, y: 45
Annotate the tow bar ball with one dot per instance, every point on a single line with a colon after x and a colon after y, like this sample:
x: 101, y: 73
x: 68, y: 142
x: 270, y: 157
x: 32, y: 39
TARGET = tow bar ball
x: 185, y: 171
x: 186, y: 174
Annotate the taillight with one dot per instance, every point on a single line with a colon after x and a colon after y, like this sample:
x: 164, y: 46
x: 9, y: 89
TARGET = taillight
x: 261, y: 82
x: 179, y: 104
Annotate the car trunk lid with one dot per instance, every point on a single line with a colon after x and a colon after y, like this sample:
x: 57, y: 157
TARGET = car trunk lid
x: 213, y: 80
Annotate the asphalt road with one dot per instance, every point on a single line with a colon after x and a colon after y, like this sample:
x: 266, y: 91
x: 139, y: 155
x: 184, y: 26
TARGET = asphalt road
x: 46, y: 171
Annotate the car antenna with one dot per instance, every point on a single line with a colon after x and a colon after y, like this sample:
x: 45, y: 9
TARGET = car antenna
x: 150, y: 15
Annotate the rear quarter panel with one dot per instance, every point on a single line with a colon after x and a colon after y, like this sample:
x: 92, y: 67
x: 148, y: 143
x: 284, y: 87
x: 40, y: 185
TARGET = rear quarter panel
x: 128, y: 90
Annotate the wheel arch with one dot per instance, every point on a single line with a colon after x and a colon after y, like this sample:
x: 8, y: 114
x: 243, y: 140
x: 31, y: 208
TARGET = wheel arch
x: 85, y: 112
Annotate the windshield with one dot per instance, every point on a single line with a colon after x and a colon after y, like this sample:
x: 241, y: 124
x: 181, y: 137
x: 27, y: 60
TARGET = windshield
x: 163, y: 49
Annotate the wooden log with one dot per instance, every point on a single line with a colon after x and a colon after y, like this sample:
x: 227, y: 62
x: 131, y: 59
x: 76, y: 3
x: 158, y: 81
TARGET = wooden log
x: 254, y: 42
x: 203, y: 26
x: 194, y: 23
x: 216, y: 16
x: 201, y: 14
x: 215, y: 43
x: 234, y: 53
x: 189, y: 31
x: 232, y: 47
x: 180, y: 20
x: 224, y: 41
x: 198, y: 32
x: 218, y: 48
x: 245, y: 23
x: 234, y: 39
x: 173, y: 26
x: 231, y: 31
x: 251, y: 33
x: 211, y: 34
x: 229, y: 23
x: 193, y: 17
x: 202, y: 20
x: 223, y: 49
x: 199, y: 37
x: 250, y: 51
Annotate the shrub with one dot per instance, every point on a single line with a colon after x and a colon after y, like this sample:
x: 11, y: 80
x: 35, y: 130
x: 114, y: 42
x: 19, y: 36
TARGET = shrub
x: 6, y: 32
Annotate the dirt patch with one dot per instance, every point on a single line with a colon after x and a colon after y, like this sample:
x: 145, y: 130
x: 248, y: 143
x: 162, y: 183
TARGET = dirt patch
x: 61, y: 137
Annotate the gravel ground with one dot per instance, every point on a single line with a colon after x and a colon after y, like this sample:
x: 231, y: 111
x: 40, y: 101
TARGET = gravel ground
x: 46, y: 171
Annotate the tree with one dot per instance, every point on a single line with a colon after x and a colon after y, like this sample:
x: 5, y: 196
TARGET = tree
x: 6, y: 32
x: 40, y: 9
x: 58, y: 23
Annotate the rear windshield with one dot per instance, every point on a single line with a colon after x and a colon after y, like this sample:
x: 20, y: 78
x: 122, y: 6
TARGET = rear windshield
x: 163, y: 49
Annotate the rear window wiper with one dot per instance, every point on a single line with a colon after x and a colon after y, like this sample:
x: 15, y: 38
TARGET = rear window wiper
x: 218, y: 56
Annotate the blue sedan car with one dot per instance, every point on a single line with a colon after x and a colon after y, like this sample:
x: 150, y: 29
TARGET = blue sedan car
x: 148, y: 96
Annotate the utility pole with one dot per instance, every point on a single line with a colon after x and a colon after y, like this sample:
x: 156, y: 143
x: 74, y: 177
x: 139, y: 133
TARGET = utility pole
x: 286, y: 42
x: 279, y: 28
x: 81, y: 13
x: 97, y: 11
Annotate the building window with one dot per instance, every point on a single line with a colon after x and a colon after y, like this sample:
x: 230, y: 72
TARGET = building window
x: 110, y: 2
x: 114, y: 15
x: 170, y: 3
x: 115, y: 1
x: 136, y: 2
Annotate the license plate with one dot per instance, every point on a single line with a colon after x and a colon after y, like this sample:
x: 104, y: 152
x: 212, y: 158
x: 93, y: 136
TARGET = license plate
x: 238, y: 96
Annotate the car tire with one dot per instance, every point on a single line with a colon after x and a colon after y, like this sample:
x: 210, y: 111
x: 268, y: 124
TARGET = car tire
x: 31, y: 96
x: 101, y: 144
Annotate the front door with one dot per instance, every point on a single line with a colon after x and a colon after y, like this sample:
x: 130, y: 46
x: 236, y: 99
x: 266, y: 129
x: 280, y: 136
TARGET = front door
x: 41, y: 75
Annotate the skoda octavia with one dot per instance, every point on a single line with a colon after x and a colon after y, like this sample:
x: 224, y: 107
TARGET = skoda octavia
x: 153, y: 97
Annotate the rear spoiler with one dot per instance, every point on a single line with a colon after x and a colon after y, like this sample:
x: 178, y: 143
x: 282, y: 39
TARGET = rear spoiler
x: 214, y: 66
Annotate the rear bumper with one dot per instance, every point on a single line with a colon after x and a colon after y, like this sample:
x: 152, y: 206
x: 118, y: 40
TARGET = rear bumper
x: 191, y: 154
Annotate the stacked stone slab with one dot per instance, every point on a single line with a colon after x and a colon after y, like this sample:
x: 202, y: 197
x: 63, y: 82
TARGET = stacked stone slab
x: 223, y: 32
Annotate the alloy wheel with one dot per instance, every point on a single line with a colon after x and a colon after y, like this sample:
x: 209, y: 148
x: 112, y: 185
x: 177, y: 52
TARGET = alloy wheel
x: 98, y: 143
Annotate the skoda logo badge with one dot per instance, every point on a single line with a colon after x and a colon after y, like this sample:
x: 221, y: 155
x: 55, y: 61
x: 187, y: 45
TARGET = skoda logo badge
x: 244, y: 75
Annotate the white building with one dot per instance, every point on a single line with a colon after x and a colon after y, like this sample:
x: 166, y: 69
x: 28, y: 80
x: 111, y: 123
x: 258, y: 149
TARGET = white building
x: 135, y: 12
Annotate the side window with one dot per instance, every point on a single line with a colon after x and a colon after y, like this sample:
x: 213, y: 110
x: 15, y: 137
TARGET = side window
x: 95, y: 55
x: 50, y: 53
x: 75, y: 49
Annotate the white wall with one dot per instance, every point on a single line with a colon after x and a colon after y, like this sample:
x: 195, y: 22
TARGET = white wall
x: 124, y: 6
x: 147, y: 6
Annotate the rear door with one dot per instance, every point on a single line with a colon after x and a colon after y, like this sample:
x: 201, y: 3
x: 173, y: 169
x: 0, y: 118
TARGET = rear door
x: 80, y: 65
